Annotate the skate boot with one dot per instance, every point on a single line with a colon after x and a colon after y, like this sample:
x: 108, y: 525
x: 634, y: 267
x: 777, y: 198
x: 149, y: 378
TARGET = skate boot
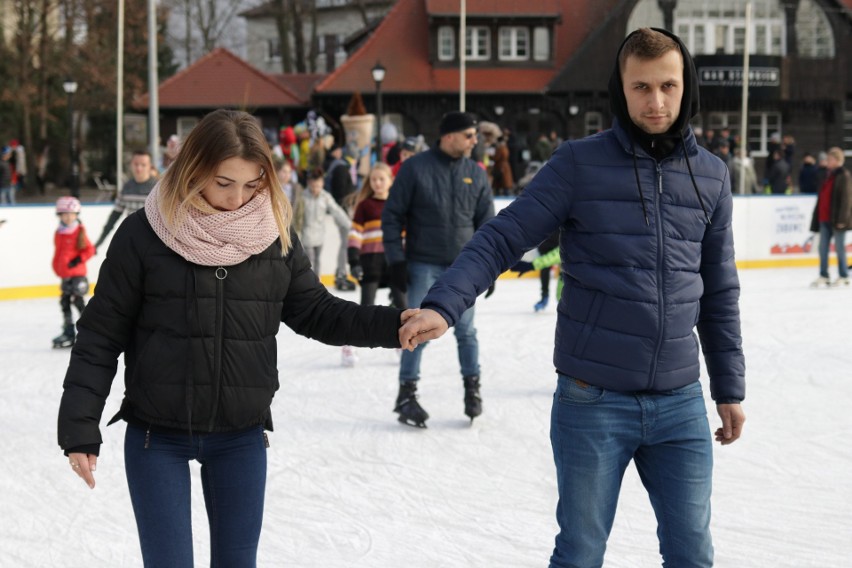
x: 472, y: 399
x: 841, y: 281
x: 822, y: 281
x: 409, y: 410
x: 343, y: 284
x: 348, y: 357
x: 541, y: 304
x: 66, y: 339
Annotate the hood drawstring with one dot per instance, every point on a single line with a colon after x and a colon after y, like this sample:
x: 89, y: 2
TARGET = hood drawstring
x: 692, y: 177
x: 638, y: 184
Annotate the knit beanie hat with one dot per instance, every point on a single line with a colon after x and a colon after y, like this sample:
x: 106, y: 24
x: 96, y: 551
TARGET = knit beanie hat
x: 456, y: 121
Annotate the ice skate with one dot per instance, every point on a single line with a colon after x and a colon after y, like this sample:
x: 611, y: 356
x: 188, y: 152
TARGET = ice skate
x: 541, y: 304
x: 409, y: 410
x: 348, y: 357
x: 841, y: 282
x: 821, y: 282
x: 66, y: 339
x: 343, y: 284
x: 472, y: 399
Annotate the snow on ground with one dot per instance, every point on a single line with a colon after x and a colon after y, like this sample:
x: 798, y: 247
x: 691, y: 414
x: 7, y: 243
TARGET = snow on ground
x: 350, y: 487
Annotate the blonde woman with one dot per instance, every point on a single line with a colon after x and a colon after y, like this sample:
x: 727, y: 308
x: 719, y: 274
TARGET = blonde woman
x: 192, y: 291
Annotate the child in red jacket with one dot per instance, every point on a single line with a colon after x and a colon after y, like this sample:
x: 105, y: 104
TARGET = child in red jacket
x: 72, y: 250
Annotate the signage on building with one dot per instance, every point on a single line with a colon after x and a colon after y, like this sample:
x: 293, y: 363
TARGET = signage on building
x: 733, y: 76
x: 721, y: 76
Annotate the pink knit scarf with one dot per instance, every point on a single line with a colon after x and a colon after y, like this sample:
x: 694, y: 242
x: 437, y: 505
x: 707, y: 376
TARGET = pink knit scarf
x: 223, y: 238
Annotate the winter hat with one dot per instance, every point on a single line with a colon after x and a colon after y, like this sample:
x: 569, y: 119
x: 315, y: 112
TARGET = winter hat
x: 389, y: 133
x: 67, y: 204
x: 456, y: 121
x: 410, y: 144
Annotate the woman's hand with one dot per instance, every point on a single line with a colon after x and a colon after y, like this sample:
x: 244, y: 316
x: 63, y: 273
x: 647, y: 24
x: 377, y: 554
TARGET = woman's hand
x: 84, y: 465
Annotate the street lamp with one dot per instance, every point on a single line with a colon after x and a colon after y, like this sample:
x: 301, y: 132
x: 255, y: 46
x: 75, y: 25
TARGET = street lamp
x: 378, y: 72
x: 70, y: 87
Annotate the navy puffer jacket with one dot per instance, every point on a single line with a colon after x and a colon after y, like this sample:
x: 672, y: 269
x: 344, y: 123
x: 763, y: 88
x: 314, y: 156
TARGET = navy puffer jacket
x: 439, y: 202
x: 199, y: 342
x: 634, y: 291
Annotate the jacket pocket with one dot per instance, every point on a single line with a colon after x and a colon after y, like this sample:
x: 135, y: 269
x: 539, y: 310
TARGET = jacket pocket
x: 589, y: 324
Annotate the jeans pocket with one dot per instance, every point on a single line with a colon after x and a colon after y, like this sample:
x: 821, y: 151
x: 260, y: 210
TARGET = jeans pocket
x: 575, y: 391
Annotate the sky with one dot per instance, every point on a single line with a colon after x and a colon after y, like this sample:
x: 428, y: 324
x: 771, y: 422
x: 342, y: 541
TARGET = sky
x: 348, y: 486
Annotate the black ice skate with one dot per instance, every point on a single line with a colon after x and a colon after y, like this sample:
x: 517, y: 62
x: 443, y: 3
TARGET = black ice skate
x: 66, y: 339
x: 472, y: 399
x: 409, y: 410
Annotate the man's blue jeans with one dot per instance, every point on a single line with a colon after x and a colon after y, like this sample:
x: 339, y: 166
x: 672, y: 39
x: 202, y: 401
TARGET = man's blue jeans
x: 233, y: 478
x: 826, y: 232
x: 421, y: 276
x: 595, y: 434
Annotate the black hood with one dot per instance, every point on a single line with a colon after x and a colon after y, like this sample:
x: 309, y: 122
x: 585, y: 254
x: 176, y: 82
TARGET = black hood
x: 689, y: 106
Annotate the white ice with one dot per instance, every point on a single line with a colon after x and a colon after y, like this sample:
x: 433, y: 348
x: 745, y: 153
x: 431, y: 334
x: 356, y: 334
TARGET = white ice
x: 350, y: 487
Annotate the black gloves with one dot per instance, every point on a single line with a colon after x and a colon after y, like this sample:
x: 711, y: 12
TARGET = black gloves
x: 521, y: 267
x: 490, y: 290
x: 74, y: 261
x: 399, y: 276
x: 357, y: 272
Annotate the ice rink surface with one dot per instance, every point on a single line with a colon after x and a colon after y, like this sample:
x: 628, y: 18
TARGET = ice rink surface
x: 348, y: 486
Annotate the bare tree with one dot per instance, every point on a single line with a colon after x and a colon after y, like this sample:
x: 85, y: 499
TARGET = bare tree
x: 212, y: 19
x: 283, y: 24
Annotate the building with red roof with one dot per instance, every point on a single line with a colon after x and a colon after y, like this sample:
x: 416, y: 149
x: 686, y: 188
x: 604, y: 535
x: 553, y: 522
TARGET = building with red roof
x: 543, y: 65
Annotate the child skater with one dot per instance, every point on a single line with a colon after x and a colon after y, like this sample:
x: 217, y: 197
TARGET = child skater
x: 193, y: 290
x: 366, y: 252
x: 72, y: 250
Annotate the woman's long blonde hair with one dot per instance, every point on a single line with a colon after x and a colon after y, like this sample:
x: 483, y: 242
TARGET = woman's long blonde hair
x: 366, y: 191
x: 221, y: 135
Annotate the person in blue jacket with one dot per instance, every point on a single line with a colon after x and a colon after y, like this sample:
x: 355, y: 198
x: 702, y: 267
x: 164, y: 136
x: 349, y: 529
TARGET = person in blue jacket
x: 647, y: 256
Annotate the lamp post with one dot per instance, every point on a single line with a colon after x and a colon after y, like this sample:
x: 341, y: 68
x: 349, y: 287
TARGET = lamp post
x: 378, y: 72
x: 70, y: 87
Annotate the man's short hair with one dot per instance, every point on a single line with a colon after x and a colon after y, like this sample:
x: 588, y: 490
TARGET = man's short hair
x: 140, y: 152
x: 646, y: 44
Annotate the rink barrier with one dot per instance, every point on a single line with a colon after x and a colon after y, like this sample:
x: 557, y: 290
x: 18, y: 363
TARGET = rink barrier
x: 770, y: 231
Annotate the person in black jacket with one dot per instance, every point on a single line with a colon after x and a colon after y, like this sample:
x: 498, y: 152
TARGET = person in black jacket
x: 439, y: 199
x: 192, y: 291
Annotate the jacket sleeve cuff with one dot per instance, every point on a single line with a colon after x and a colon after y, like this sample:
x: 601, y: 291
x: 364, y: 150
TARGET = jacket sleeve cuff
x: 93, y: 449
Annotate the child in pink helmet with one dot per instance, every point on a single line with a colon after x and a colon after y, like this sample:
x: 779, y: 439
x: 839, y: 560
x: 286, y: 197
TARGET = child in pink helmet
x: 72, y: 250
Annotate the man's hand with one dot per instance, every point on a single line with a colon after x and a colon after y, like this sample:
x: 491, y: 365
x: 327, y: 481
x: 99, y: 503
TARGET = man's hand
x: 74, y: 261
x: 521, y: 267
x: 420, y: 328
x: 733, y: 418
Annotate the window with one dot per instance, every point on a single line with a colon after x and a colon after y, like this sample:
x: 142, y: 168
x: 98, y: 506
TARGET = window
x: 593, y: 123
x: 847, y: 128
x: 478, y: 43
x: 718, y: 26
x: 514, y: 43
x: 185, y: 124
x: 273, y: 49
x: 446, y: 43
x: 813, y: 31
x: 541, y: 44
x: 761, y: 125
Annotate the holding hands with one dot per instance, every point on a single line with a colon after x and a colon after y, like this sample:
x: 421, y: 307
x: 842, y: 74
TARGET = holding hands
x: 420, y: 327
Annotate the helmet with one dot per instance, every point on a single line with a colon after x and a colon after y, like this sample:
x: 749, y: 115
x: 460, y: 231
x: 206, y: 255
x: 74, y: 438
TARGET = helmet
x: 67, y: 204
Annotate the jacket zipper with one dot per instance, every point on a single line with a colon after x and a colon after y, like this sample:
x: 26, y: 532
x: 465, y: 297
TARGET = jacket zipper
x: 221, y: 273
x: 660, y: 259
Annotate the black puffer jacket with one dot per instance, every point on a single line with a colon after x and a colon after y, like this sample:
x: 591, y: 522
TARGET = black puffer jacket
x: 440, y: 202
x: 199, y: 342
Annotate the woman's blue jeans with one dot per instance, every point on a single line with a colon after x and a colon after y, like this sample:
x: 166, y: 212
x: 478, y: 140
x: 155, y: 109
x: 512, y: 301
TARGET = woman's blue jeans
x: 826, y: 232
x: 421, y: 276
x: 233, y: 478
x: 595, y: 434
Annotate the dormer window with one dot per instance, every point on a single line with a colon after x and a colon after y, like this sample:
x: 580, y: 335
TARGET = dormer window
x: 478, y: 43
x: 446, y: 43
x: 514, y: 43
